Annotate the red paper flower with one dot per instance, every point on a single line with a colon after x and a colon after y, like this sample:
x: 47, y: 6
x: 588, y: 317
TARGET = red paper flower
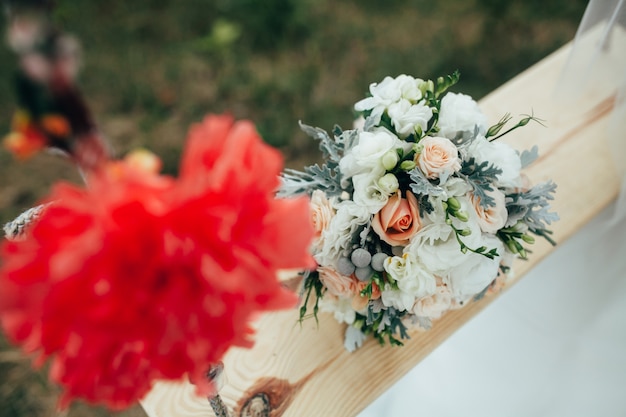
x: 143, y: 277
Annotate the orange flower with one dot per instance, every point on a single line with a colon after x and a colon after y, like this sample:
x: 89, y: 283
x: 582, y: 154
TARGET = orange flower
x: 143, y: 277
x: 399, y: 220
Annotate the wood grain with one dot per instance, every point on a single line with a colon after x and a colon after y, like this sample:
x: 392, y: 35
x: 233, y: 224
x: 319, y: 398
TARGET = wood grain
x: 306, y: 370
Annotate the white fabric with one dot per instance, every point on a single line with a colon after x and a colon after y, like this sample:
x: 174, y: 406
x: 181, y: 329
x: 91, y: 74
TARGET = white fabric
x: 598, y: 45
x: 552, y: 345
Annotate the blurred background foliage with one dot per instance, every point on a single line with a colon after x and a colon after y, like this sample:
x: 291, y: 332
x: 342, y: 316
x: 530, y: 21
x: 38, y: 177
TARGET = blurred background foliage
x: 152, y: 67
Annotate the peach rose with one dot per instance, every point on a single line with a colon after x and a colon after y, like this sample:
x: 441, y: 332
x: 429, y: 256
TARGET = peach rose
x: 321, y: 213
x: 399, y: 220
x: 359, y: 302
x: 337, y: 284
x: 493, y: 218
x: 438, y: 155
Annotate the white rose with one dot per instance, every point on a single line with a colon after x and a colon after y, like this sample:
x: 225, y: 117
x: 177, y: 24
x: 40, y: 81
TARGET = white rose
x: 494, y: 217
x: 502, y: 156
x: 383, y: 94
x: 476, y: 272
x: 436, y: 246
x: 340, y: 307
x: 406, y: 116
x: 397, y: 299
x: 460, y: 113
x: 440, y: 256
x: 368, y: 193
x: 411, y: 277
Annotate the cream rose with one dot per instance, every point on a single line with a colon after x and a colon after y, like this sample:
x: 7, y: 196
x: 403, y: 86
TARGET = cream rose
x: 337, y: 284
x: 494, y: 217
x: 436, y: 304
x: 399, y: 220
x: 438, y: 156
x: 321, y: 213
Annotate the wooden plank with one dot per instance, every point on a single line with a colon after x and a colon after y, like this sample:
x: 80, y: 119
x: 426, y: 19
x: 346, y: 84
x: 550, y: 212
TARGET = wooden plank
x: 305, y: 369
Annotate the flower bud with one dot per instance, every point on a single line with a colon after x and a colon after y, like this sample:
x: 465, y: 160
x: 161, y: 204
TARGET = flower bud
x: 461, y: 215
x: 389, y: 183
x: 465, y: 232
x: 418, y: 148
x: 390, y: 159
x: 454, y: 203
x: 528, y: 239
x: 425, y: 86
x: 407, y: 165
x: 510, y: 244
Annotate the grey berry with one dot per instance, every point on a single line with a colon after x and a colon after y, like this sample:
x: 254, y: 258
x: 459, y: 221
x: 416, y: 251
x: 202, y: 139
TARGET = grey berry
x: 378, y: 261
x: 361, y: 258
x: 345, y: 267
x: 364, y: 274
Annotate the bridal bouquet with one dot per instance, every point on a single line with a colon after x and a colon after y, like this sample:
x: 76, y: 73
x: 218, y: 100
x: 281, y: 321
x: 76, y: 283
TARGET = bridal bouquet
x: 418, y: 211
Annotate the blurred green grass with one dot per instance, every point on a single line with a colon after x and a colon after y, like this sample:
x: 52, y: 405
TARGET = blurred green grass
x: 152, y: 67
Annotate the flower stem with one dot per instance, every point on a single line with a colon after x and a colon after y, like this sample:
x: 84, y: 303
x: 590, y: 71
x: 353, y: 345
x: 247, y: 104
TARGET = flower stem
x: 215, y: 375
x: 218, y: 406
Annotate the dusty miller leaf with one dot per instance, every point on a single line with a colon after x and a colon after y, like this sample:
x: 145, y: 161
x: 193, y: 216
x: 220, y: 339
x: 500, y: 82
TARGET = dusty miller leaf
x: 422, y: 185
x: 532, y: 207
x: 529, y: 156
x: 481, y: 177
x: 312, y: 178
x: 354, y: 339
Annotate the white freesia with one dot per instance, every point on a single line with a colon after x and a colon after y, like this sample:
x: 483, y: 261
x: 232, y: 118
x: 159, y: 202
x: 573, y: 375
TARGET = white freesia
x: 502, y: 156
x: 340, y: 307
x: 367, y: 155
x: 368, y: 193
x: 460, y: 113
x: 387, y: 92
x: 397, y: 299
x: 406, y: 116
x: 337, y: 238
x: 409, y: 87
x: 476, y: 272
x: 383, y: 94
x: 411, y: 277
